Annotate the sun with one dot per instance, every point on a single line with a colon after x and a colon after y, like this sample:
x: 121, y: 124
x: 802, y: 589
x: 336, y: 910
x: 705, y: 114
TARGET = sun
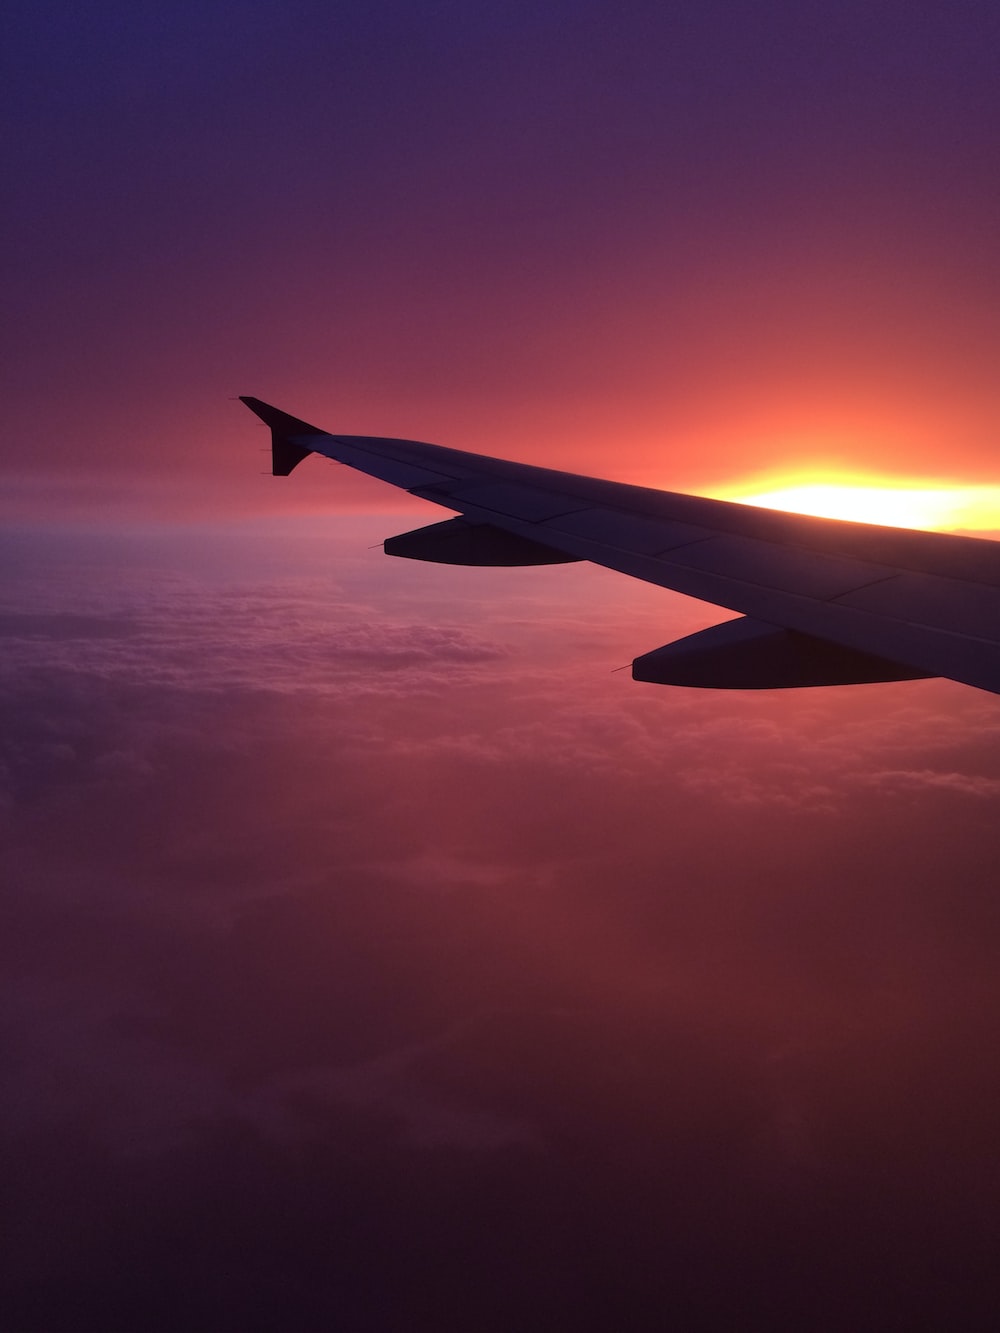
x: 890, y: 502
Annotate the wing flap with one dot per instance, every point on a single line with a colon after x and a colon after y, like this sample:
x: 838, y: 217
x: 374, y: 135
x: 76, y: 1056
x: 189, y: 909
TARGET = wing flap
x: 642, y: 536
x: 521, y: 502
x: 811, y: 574
x: 396, y: 471
x: 923, y: 599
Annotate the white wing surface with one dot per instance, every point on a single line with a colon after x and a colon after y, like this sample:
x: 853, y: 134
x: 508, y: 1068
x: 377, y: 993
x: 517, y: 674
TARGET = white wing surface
x: 824, y: 601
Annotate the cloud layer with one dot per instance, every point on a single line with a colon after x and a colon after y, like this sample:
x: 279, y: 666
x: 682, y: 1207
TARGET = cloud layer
x: 393, y: 970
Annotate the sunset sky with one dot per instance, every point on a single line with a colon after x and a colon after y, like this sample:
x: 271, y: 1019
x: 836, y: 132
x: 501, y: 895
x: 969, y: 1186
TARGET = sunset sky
x: 375, y: 957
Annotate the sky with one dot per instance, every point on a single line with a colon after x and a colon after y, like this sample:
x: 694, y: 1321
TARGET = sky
x: 377, y: 955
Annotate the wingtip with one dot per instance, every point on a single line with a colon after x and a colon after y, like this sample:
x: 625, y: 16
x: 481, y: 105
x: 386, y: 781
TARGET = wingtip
x: 256, y: 405
x: 285, y: 430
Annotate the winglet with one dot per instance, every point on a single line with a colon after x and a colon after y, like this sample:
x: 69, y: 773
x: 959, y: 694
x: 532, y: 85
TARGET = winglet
x: 287, y: 450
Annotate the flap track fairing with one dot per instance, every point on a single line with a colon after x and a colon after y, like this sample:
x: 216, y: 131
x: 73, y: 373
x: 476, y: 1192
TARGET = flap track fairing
x: 745, y: 654
x: 457, y: 541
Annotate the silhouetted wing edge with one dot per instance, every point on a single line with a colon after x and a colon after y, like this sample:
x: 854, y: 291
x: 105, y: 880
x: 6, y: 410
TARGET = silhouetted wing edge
x: 928, y: 601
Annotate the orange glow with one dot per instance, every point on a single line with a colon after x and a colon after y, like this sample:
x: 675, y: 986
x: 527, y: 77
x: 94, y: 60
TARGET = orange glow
x: 889, y: 501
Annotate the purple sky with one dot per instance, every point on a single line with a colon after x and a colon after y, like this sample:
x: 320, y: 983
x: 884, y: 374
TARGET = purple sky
x: 375, y: 958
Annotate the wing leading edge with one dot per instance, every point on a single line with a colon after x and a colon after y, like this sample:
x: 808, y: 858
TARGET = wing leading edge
x: 824, y: 601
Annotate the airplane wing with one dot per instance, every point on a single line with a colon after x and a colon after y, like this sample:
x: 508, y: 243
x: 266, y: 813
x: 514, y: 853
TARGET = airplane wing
x: 823, y: 602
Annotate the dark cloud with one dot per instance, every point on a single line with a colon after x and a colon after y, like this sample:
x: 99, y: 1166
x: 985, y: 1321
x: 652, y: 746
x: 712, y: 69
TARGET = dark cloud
x: 34, y: 625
